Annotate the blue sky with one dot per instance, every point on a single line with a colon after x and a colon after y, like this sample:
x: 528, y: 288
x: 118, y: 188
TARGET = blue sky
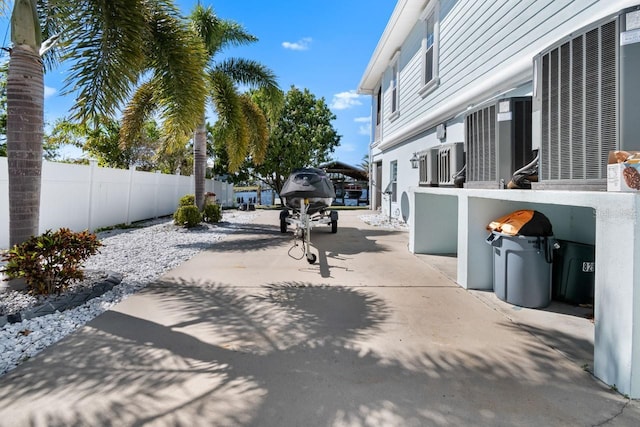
x: 324, y: 46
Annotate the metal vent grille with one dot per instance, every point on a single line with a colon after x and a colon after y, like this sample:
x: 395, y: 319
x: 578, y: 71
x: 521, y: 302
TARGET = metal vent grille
x: 579, y: 82
x: 481, y: 144
x: 450, y: 161
x: 428, y: 168
x: 498, y: 141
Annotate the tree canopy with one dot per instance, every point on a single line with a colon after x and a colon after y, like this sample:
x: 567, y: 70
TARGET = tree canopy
x: 240, y: 124
x: 300, y: 135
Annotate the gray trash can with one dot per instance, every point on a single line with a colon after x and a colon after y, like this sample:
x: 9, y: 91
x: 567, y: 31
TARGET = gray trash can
x: 522, y: 269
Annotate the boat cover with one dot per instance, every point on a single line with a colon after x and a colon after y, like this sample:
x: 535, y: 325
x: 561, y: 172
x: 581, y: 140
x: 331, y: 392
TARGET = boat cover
x: 308, y: 183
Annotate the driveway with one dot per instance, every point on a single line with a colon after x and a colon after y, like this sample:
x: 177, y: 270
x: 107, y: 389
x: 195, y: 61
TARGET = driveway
x: 245, y: 334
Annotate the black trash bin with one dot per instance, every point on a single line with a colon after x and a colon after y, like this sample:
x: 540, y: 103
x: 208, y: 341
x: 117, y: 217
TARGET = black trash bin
x: 574, y: 272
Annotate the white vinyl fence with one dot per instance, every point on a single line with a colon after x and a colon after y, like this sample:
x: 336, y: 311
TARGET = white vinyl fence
x: 82, y: 197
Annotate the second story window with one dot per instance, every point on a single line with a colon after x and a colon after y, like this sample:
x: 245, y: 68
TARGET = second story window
x: 379, y: 106
x: 394, y: 86
x: 430, y: 48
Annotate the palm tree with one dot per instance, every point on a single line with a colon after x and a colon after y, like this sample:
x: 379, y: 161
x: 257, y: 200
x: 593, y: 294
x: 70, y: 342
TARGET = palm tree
x: 364, y: 164
x: 25, y: 106
x: 112, y: 45
x: 241, y: 125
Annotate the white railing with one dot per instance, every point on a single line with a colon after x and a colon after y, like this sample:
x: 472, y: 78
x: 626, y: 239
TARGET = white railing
x: 82, y: 197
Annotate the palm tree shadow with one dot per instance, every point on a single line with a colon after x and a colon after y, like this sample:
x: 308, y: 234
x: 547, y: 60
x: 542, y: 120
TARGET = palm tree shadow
x: 289, y: 354
x: 252, y: 237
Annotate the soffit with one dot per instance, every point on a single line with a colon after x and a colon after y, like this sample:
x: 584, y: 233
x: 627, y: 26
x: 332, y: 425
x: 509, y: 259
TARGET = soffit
x: 404, y: 17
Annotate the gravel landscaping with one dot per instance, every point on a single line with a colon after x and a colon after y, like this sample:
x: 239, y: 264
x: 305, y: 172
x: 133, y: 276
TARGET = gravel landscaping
x: 138, y: 255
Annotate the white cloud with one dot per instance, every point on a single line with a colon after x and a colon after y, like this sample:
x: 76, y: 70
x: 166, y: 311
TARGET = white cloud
x: 344, y: 100
x: 365, y: 129
x: 347, y: 148
x: 49, y: 91
x: 302, y: 44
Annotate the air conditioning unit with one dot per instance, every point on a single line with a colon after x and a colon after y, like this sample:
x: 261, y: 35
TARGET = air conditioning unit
x: 428, y: 168
x: 450, y: 161
x: 585, y: 103
x: 498, y: 142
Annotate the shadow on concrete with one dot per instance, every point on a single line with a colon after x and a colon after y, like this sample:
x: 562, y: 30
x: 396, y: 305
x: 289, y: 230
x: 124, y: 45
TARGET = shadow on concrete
x: 575, y: 348
x: 251, y: 237
x: 348, y: 241
x: 559, y: 307
x: 289, y: 355
x: 344, y: 244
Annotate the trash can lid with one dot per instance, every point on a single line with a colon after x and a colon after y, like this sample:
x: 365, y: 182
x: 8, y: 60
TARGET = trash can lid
x: 526, y: 222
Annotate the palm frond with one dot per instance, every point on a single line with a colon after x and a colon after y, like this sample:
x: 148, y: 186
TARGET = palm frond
x: 231, y: 124
x: 174, y: 145
x: 234, y: 34
x: 237, y: 144
x: 137, y: 113
x: 206, y: 25
x: 108, y: 54
x: 217, y: 33
x: 248, y: 72
x: 258, y: 129
x: 271, y: 102
x: 54, y: 19
x: 178, y: 59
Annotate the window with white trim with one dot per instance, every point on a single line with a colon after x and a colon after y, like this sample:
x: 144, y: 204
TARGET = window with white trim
x: 379, y: 106
x: 430, y: 46
x: 378, y: 110
x: 395, y: 78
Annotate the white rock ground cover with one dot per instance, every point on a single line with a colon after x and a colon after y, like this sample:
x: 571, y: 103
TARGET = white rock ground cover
x: 140, y: 255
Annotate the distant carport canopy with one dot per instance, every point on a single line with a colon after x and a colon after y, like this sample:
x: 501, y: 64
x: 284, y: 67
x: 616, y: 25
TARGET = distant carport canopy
x: 345, y: 169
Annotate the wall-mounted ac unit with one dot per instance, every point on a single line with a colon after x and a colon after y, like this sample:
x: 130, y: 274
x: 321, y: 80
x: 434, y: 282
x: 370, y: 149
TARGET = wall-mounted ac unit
x: 428, y: 168
x: 586, y: 97
x: 498, y: 142
x: 450, y: 161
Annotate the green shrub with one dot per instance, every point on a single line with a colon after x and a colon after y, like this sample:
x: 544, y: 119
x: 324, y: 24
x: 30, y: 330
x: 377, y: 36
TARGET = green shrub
x: 188, y: 200
x: 212, y: 213
x: 187, y: 216
x: 49, y: 263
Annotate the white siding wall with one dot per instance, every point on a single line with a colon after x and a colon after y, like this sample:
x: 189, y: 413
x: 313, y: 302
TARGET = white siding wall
x: 485, y: 48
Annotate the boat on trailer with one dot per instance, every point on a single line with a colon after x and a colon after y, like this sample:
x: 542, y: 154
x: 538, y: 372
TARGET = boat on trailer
x: 307, y: 195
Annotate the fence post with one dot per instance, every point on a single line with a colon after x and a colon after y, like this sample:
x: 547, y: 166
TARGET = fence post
x: 177, y: 187
x: 132, y: 170
x: 93, y: 163
x: 157, y: 208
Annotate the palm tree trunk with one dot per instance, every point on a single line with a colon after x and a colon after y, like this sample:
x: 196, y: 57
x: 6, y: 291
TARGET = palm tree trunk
x: 25, y: 117
x: 200, y: 162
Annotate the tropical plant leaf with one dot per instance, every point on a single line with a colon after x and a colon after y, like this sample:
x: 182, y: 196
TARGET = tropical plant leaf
x: 108, y: 54
x: 137, y: 113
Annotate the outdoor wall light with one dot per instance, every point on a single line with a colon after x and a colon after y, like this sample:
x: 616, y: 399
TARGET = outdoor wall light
x: 415, y: 161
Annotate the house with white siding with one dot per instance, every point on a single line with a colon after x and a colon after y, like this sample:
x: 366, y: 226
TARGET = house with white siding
x: 468, y: 94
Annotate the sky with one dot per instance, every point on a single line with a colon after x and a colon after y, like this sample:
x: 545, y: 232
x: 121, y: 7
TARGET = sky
x: 324, y: 46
